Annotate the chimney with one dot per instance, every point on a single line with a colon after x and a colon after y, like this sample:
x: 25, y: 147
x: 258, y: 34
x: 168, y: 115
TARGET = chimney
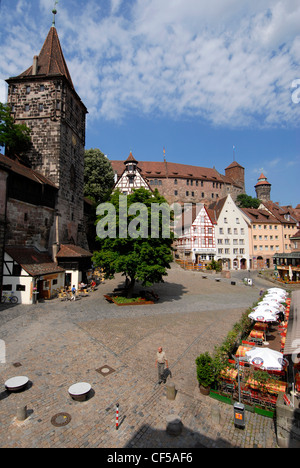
x: 35, y: 65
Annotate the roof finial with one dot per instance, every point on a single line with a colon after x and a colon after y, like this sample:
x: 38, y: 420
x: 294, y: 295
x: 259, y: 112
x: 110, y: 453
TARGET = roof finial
x: 54, y: 11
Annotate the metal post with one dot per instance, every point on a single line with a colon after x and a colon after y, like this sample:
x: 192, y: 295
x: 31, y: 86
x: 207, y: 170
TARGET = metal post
x: 117, y: 417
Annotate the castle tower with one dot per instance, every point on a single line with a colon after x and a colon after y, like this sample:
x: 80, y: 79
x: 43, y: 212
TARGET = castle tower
x: 44, y: 98
x: 263, y: 189
x: 236, y: 172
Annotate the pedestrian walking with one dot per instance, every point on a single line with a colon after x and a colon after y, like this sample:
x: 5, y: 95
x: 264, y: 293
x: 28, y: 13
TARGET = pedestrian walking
x: 73, y: 298
x: 160, y: 363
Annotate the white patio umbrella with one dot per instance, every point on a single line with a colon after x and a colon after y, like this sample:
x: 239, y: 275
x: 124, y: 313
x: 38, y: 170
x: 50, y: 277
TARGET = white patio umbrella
x: 271, y: 305
x: 290, y: 273
x: 275, y: 297
x: 277, y: 290
x: 274, y: 308
x: 263, y: 315
x: 266, y: 359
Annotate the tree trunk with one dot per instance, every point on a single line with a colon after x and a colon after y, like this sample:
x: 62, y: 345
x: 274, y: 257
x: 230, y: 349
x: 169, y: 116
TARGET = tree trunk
x: 131, y: 287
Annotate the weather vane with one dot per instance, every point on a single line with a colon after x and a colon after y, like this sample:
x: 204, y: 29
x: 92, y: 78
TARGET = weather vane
x: 54, y: 11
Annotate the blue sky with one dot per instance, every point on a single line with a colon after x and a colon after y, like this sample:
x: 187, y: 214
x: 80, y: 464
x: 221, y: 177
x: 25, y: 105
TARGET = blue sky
x: 191, y: 76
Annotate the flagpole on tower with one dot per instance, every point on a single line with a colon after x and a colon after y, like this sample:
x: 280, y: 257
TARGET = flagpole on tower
x: 233, y: 149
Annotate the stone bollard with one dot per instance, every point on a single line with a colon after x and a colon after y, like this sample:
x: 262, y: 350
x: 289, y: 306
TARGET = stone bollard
x: 174, y: 425
x: 171, y: 392
x: 216, y: 415
x: 21, y: 413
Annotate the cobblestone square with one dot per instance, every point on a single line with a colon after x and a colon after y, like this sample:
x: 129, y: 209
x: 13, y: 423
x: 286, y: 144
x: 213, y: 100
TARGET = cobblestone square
x: 61, y: 343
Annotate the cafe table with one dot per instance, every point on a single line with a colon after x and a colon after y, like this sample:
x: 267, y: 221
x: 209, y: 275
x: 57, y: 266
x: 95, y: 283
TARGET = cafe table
x: 257, y: 334
x: 271, y: 386
x: 241, y: 351
x: 261, y: 326
x: 229, y: 373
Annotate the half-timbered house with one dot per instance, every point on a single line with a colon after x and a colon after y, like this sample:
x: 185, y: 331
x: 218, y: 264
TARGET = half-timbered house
x: 131, y: 178
x: 196, y: 243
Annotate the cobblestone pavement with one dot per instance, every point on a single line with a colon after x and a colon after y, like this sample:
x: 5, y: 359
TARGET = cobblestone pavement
x: 56, y: 344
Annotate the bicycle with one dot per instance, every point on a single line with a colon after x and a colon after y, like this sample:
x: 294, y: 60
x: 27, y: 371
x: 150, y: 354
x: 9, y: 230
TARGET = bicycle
x: 12, y: 299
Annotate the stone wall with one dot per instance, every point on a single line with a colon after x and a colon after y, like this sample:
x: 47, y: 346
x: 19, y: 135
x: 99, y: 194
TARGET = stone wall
x: 182, y: 190
x: 287, y: 424
x: 29, y: 224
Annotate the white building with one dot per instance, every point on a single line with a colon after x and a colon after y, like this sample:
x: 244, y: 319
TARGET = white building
x: 30, y: 274
x: 232, y: 238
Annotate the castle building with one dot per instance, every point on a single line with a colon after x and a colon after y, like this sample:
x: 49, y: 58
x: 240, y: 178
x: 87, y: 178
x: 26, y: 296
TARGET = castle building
x: 181, y: 183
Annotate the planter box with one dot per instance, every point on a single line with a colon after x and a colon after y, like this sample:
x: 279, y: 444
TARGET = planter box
x: 252, y: 409
x: 218, y: 396
x: 111, y: 299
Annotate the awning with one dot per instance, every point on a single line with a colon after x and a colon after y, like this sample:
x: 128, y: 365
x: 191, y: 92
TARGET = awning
x: 292, y: 342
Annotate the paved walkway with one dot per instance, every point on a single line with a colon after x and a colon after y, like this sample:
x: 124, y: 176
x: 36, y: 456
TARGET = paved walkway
x: 57, y: 344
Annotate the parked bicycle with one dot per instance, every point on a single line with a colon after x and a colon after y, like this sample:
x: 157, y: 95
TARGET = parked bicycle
x: 9, y: 298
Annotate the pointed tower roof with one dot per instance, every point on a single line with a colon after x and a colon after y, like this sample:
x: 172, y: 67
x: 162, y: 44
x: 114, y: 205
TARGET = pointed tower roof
x: 130, y: 159
x: 50, y: 61
x: 262, y: 180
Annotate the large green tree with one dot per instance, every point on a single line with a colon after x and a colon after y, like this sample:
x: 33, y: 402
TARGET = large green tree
x: 98, y: 176
x: 246, y: 201
x: 137, y: 241
x: 15, y: 137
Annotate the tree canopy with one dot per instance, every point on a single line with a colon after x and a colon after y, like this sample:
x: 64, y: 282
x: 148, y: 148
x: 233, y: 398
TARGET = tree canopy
x: 132, y: 248
x: 246, y: 201
x: 15, y: 137
x: 98, y: 176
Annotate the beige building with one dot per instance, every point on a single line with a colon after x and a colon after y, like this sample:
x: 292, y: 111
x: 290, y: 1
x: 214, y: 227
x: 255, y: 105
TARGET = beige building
x: 270, y: 229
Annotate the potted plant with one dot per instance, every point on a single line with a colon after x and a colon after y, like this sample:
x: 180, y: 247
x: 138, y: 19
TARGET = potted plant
x: 205, y: 372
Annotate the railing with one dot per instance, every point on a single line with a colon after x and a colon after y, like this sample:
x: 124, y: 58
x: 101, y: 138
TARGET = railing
x: 190, y: 266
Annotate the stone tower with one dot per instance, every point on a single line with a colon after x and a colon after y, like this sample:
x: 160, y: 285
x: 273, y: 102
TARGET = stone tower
x: 237, y: 173
x: 263, y: 189
x: 44, y: 98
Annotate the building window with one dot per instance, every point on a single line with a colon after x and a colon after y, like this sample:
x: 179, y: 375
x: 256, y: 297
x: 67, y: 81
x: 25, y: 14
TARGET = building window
x: 7, y: 287
x: 175, y: 181
x: 20, y: 287
x: 42, y: 87
x: 27, y: 89
x: 187, y: 193
x: 27, y: 107
x: 41, y: 107
x: 175, y: 192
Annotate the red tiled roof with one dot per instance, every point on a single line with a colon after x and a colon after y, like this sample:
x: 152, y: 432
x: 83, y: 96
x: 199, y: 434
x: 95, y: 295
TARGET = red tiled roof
x: 164, y: 169
x: 35, y: 263
x: 70, y: 250
x: 262, y: 216
x: 14, y: 166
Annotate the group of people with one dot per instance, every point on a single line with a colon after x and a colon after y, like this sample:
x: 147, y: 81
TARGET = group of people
x: 81, y: 286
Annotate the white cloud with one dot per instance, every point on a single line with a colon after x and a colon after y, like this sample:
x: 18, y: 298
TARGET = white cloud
x: 229, y: 62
